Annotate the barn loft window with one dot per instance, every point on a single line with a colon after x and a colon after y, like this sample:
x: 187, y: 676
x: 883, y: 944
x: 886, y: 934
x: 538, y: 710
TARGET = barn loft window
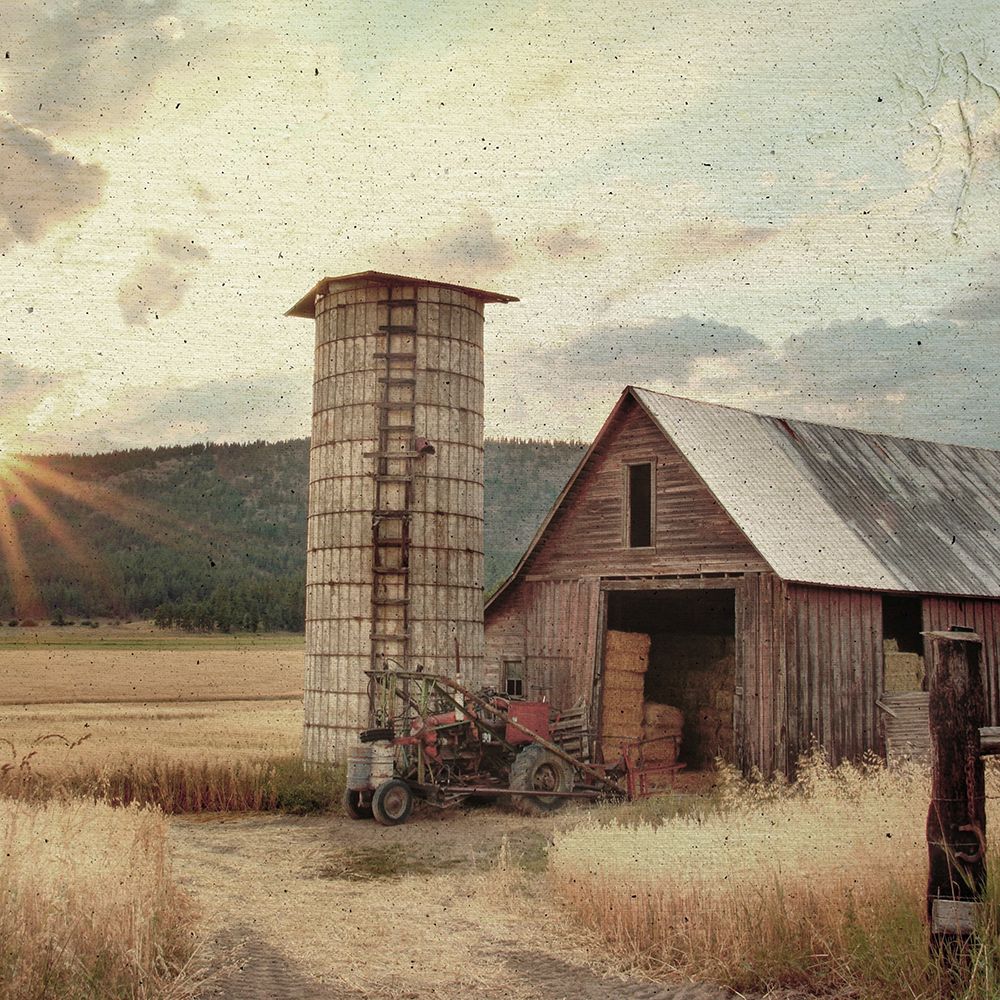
x: 902, y: 621
x: 639, y: 505
x: 513, y: 678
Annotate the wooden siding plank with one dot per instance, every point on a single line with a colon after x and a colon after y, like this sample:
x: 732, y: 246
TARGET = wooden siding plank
x: 693, y: 533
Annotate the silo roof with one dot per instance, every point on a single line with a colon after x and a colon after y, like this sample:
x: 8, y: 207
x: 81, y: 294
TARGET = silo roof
x: 306, y: 306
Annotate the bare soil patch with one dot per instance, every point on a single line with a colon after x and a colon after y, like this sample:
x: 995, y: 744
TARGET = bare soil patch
x: 425, y: 911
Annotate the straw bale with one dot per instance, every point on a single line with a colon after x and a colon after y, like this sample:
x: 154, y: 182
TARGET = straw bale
x: 903, y: 672
x: 666, y: 718
x: 625, y: 681
x: 626, y: 651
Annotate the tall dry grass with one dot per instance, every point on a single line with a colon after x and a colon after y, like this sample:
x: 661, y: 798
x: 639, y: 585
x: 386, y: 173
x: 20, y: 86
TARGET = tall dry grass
x: 817, y: 886
x: 177, y: 786
x: 88, y: 908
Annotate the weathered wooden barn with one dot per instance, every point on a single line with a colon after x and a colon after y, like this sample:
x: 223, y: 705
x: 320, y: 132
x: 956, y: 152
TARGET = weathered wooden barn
x: 783, y: 570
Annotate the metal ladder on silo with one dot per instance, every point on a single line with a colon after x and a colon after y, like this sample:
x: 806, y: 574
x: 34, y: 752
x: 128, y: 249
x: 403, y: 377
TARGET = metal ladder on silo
x: 391, y: 516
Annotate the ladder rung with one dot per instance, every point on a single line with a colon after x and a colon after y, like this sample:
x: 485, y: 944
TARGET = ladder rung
x: 395, y: 355
x: 393, y: 601
x: 392, y: 454
x: 389, y: 543
x: 400, y: 303
x: 391, y: 514
x: 397, y: 427
x: 398, y: 570
x: 393, y: 479
x: 397, y: 328
x: 389, y: 637
x: 397, y: 380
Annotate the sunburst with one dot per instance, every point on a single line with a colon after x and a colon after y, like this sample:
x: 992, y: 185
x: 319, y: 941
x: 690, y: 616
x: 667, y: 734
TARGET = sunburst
x: 20, y: 480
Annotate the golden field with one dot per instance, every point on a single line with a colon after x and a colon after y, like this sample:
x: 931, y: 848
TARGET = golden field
x: 207, y: 697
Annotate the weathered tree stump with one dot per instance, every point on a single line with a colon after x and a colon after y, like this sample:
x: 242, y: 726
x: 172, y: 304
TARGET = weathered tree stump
x: 956, y: 820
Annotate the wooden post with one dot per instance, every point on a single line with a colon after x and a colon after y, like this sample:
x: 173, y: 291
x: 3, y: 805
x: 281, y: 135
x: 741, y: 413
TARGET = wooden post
x: 956, y: 820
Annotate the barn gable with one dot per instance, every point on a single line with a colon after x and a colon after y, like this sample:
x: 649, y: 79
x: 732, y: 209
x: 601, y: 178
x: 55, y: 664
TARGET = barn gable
x: 584, y: 533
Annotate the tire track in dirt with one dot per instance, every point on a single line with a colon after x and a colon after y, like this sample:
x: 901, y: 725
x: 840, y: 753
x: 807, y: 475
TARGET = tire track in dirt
x: 323, y: 908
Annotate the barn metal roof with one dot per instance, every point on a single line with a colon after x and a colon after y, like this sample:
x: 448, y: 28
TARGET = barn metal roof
x: 306, y: 306
x: 843, y: 508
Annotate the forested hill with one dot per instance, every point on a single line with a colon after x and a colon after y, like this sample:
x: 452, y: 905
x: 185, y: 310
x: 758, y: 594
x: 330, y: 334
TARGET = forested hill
x: 213, y: 535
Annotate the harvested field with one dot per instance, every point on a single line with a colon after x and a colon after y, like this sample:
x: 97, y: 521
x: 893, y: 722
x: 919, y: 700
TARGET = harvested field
x: 44, y: 675
x: 192, y: 731
x: 214, y: 697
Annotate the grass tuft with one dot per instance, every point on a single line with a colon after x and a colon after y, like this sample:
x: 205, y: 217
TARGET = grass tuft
x: 817, y: 886
x: 284, y: 784
x: 88, y: 906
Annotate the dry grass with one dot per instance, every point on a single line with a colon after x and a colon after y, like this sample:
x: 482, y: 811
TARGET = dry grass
x: 178, y: 787
x: 119, y: 734
x: 88, y: 907
x: 820, y: 886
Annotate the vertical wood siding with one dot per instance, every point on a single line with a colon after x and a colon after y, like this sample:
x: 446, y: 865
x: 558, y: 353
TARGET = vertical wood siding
x: 761, y: 704
x: 834, y: 675
x: 693, y: 533
x: 982, y: 614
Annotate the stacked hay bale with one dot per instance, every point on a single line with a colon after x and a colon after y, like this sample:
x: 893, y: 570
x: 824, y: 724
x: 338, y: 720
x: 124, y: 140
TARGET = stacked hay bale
x: 662, y: 726
x: 626, y: 658
x: 903, y: 671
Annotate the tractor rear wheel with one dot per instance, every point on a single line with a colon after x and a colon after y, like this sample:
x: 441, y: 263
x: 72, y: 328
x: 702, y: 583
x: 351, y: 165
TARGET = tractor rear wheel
x: 354, y: 804
x: 536, y: 769
x: 392, y: 802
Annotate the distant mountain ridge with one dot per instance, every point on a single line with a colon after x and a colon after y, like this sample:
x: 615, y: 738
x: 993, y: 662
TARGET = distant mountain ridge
x: 214, y: 535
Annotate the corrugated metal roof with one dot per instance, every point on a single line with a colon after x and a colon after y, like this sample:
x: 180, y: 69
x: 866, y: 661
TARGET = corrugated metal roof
x: 306, y: 306
x: 843, y: 508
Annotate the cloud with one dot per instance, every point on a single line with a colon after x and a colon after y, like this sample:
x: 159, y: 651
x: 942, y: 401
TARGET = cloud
x: 979, y: 302
x: 567, y: 241
x: 934, y: 379
x: 646, y: 351
x: 156, y: 286
x: 79, y: 64
x: 467, y: 249
x: 40, y: 184
x: 695, y: 242
x: 271, y: 406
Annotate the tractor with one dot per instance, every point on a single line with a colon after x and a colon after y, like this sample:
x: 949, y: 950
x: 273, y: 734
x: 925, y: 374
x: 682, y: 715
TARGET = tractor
x: 431, y: 738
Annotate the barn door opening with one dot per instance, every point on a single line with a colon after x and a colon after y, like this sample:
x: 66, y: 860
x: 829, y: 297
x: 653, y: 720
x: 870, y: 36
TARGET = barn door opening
x: 670, y: 660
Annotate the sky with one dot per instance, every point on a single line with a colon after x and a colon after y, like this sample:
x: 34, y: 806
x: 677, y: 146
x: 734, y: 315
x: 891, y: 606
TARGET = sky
x: 790, y: 208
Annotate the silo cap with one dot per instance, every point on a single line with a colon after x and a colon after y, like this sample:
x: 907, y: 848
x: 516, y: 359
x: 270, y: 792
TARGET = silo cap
x: 306, y: 306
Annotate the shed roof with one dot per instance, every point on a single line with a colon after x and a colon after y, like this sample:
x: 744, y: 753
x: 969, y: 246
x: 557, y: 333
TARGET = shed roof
x: 306, y: 306
x: 840, y: 507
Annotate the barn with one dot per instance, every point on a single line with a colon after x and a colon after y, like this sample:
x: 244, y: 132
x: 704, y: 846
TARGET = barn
x: 769, y: 578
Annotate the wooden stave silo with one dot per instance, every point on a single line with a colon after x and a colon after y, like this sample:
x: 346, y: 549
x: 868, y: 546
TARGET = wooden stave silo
x: 444, y: 573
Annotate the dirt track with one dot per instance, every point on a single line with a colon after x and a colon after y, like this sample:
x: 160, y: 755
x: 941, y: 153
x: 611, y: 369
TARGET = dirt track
x: 329, y: 909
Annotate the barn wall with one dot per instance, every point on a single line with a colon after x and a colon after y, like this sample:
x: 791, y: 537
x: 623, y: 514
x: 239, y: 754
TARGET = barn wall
x: 833, y: 643
x: 693, y: 533
x: 940, y: 613
x: 760, y: 709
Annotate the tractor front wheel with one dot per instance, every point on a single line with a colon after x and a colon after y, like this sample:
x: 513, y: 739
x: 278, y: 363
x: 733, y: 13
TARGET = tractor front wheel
x: 536, y: 769
x: 392, y: 802
x: 357, y: 804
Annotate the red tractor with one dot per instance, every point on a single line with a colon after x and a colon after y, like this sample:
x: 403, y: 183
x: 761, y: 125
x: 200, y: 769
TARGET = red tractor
x: 431, y: 738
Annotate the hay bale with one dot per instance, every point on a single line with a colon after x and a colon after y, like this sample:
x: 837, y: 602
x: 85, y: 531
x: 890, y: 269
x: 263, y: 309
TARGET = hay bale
x: 903, y: 672
x: 666, y: 718
x: 626, y: 683
x: 626, y: 652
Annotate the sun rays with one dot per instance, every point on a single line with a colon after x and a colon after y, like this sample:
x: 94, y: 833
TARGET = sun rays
x: 23, y: 481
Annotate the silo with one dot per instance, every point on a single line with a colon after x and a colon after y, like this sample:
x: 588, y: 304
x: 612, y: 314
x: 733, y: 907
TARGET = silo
x: 394, y: 570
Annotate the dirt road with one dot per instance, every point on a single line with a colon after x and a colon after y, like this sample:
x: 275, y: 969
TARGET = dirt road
x: 329, y: 909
